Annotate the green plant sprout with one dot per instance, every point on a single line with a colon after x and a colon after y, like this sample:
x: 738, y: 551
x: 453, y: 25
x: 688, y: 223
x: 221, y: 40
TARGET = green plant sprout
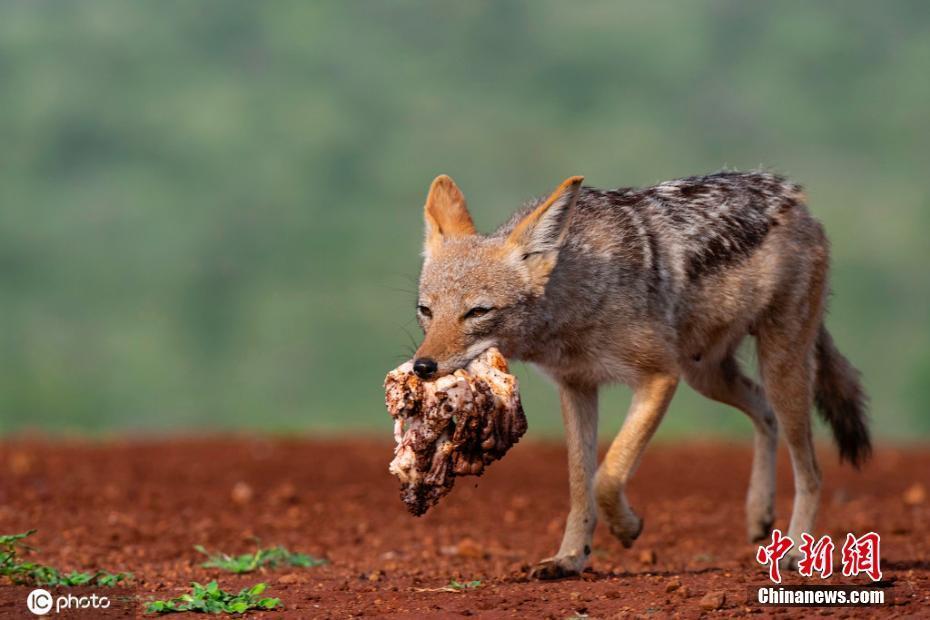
x: 21, y: 572
x: 211, y: 599
x: 272, y: 557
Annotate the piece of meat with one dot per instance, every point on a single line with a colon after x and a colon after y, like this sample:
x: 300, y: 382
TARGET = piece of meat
x: 453, y: 426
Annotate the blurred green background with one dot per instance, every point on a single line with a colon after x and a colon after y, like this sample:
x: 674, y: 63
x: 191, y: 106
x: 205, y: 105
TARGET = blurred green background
x: 210, y: 212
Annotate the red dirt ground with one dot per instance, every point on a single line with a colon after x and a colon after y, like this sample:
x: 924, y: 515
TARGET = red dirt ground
x: 142, y: 506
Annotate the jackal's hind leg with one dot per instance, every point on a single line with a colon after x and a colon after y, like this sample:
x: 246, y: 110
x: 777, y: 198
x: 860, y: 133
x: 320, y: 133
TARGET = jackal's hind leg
x: 579, y: 413
x: 787, y: 372
x: 725, y: 382
x: 650, y: 400
x: 786, y: 358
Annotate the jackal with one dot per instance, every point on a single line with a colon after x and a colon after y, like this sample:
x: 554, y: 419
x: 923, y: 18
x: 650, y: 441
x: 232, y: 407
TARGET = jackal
x: 645, y: 286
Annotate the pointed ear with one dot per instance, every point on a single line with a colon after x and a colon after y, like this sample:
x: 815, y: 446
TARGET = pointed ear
x: 445, y: 213
x: 539, y: 235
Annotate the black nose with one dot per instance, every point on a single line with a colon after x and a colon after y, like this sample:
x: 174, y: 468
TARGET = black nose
x: 425, y: 367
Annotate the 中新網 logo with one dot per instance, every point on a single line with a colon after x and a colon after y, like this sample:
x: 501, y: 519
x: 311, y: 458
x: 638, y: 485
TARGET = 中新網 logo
x: 859, y: 555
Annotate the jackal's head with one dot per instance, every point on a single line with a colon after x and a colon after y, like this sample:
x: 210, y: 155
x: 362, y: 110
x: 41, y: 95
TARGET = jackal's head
x: 476, y: 290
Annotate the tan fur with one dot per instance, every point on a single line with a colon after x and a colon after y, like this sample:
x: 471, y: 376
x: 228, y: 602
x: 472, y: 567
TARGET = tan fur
x: 651, y: 398
x: 539, y: 258
x: 445, y: 212
x: 521, y: 232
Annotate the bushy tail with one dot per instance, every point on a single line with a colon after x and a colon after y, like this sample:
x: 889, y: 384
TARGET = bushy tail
x: 842, y: 401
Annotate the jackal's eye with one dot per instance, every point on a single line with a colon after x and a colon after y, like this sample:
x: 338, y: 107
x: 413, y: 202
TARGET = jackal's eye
x: 476, y: 312
x: 425, y: 312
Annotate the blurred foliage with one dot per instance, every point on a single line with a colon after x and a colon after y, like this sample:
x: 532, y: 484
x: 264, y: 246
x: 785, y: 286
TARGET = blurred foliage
x: 210, y: 212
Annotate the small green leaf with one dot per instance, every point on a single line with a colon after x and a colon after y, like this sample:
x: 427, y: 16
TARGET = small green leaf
x: 155, y: 607
x: 269, y: 603
x: 468, y: 585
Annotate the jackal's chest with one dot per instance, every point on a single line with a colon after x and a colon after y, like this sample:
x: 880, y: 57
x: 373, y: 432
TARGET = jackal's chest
x: 620, y: 353
x: 590, y: 365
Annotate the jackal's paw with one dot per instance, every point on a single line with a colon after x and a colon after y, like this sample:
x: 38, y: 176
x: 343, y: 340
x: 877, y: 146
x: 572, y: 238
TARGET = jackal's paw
x: 627, y: 530
x: 558, y: 567
x: 760, y: 529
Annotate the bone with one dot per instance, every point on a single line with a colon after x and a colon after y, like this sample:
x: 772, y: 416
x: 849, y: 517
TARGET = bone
x: 454, y: 426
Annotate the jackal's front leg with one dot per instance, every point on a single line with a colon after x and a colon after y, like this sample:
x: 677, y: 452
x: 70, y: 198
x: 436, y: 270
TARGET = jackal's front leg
x: 650, y: 400
x: 579, y: 412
